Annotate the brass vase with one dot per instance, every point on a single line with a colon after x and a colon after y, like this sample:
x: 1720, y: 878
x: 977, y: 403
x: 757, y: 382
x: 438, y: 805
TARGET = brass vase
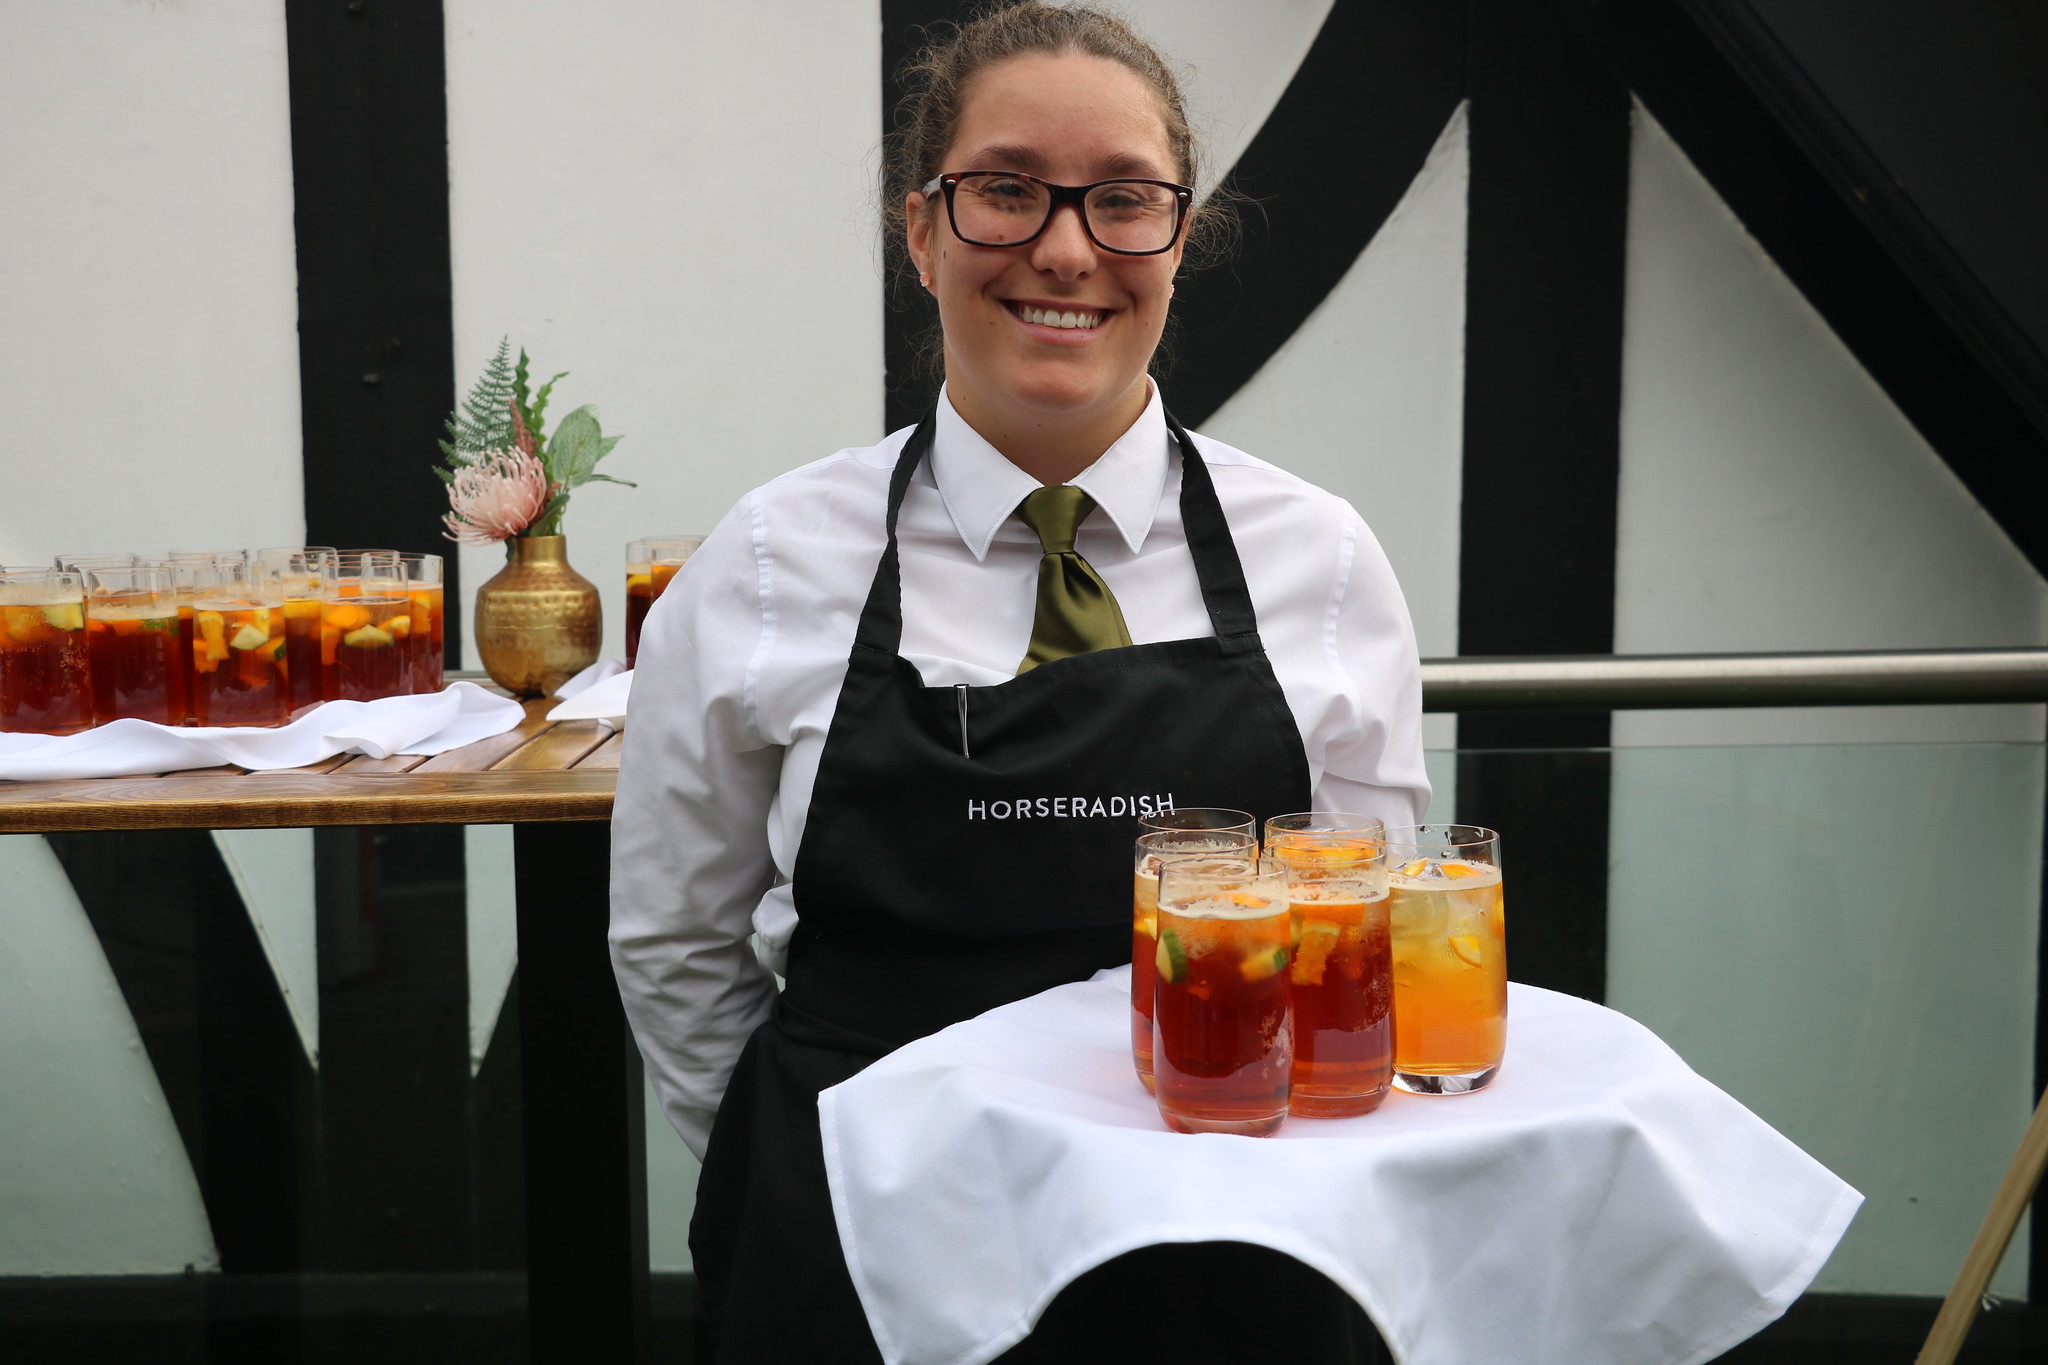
x: 537, y: 621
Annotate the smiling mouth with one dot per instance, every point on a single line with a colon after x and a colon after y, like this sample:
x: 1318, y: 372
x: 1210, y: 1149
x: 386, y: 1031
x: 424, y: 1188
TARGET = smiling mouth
x: 1071, y: 319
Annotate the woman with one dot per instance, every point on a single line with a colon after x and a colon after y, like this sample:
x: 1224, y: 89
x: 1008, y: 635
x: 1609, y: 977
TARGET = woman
x: 813, y: 763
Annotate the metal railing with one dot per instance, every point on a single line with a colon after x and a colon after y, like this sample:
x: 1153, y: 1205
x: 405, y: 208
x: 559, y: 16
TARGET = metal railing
x: 1615, y: 682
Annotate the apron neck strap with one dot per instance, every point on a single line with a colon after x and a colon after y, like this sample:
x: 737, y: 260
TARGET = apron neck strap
x: 1217, y: 567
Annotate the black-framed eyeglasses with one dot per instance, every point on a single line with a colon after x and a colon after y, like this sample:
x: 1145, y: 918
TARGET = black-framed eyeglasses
x: 1008, y: 208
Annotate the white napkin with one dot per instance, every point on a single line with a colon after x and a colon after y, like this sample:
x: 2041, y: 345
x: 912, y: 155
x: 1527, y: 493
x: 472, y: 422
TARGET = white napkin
x: 1600, y: 1202
x: 459, y: 714
x: 599, y: 692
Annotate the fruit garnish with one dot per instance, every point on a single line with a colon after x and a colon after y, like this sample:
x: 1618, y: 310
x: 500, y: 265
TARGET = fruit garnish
x: 1317, y: 939
x: 1262, y: 964
x: 1466, y: 946
x: 366, y: 637
x: 249, y: 637
x: 1414, y: 869
x: 1149, y: 926
x: 399, y: 626
x: 65, y: 616
x: 1171, y: 959
x: 1457, y: 871
x: 346, y: 616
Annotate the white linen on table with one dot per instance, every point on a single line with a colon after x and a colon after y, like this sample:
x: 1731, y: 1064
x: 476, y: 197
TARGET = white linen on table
x: 598, y: 693
x: 461, y: 713
x: 1600, y: 1202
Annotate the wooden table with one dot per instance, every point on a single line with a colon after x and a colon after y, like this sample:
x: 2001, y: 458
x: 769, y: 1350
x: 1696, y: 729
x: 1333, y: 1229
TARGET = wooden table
x: 580, y: 1072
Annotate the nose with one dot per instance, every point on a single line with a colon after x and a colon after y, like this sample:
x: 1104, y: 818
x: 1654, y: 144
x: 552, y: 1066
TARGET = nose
x: 1064, y: 248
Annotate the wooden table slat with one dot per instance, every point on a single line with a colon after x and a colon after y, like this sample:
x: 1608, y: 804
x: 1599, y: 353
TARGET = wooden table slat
x: 485, y: 753
x: 363, y: 764
x: 605, y: 757
x: 325, y: 765
x: 287, y: 800
x: 556, y: 749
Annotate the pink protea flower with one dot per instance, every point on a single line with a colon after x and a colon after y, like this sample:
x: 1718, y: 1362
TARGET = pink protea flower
x: 499, y: 494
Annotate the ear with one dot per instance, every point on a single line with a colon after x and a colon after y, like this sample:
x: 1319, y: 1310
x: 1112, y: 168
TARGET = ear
x: 917, y: 234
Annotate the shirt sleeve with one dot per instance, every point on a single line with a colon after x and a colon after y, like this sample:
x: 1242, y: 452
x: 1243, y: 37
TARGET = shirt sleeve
x: 690, y: 854
x: 1374, y: 764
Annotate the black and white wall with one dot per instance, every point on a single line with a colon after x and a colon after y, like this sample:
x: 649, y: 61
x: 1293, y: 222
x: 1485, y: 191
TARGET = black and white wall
x: 1579, y: 304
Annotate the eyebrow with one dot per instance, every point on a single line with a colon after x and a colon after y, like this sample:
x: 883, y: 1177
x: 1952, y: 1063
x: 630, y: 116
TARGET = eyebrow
x: 1003, y: 156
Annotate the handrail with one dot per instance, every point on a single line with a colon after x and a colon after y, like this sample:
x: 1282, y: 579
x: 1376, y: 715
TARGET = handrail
x: 1617, y: 682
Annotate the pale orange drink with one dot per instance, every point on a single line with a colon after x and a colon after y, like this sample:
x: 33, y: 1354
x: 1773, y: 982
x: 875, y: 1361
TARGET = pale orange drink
x: 1450, y: 958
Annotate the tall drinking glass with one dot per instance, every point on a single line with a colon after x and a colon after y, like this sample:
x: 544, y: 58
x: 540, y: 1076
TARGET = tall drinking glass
x: 185, y: 565
x: 131, y: 638
x: 424, y: 586
x: 1154, y: 849
x: 365, y: 631
x: 1223, y: 1051
x: 1341, y: 977
x: 43, y: 668
x: 308, y: 574
x: 1450, y: 957
x: 651, y: 564
x: 238, y: 645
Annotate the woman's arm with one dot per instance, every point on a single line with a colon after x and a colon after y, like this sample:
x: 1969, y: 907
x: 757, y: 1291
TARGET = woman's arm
x: 1374, y: 765
x: 690, y: 857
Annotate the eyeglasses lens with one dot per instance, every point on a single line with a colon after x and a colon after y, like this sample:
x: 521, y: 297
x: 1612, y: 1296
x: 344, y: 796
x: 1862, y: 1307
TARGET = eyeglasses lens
x: 1124, y: 215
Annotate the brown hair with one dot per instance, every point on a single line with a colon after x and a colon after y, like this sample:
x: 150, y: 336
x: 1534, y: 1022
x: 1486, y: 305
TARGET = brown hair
x: 935, y: 83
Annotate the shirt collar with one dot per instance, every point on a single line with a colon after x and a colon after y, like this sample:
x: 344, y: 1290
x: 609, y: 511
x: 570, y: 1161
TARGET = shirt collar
x: 982, y: 488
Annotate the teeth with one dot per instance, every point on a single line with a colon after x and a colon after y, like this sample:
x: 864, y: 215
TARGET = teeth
x: 1055, y: 318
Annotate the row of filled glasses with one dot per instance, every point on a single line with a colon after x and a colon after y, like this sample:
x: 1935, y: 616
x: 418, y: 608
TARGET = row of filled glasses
x: 651, y: 565
x: 1311, y: 975
x: 214, y: 637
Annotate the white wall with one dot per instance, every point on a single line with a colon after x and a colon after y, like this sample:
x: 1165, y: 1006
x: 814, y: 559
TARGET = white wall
x: 148, y: 296
x: 1367, y: 398
x: 149, y: 377
x: 612, y: 172
x: 1773, y: 498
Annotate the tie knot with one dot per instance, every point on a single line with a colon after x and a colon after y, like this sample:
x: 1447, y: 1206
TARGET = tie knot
x: 1055, y: 513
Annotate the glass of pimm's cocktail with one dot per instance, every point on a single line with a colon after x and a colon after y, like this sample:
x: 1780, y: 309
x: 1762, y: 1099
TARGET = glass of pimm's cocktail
x: 1222, y: 1049
x: 1341, y: 975
x: 1445, y: 908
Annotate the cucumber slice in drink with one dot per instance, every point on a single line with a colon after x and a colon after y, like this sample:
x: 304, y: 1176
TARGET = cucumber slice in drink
x: 1171, y: 959
x: 366, y: 637
x: 1262, y: 964
x: 249, y: 637
x: 65, y: 616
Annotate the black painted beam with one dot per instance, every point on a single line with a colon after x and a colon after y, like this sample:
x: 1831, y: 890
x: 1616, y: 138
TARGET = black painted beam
x: 585, y: 1146
x: 376, y: 334
x: 1545, y: 263
x: 1854, y: 246
x: 1325, y: 170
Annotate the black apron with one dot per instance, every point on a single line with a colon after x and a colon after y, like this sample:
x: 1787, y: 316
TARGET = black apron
x: 966, y: 847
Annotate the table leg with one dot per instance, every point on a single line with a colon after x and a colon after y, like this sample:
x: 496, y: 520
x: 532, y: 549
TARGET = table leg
x: 586, y: 1170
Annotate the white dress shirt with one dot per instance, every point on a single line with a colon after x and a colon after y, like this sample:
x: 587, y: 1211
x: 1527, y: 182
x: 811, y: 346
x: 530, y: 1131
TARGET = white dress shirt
x: 742, y: 658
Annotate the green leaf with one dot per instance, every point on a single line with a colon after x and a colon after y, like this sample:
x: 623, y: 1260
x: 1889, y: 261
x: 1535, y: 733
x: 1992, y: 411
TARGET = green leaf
x: 540, y: 407
x: 484, y: 421
x: 606, y: 478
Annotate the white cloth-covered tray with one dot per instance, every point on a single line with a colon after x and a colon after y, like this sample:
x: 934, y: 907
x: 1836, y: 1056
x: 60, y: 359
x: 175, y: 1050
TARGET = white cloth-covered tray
x: 461, y: 713
x: 1600, y: 1202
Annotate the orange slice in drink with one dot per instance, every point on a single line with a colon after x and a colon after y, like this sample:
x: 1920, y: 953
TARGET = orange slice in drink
x: 1466, y: 946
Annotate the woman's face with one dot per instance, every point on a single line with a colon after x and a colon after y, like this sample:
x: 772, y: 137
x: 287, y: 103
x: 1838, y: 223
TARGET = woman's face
x: 1070, y: 119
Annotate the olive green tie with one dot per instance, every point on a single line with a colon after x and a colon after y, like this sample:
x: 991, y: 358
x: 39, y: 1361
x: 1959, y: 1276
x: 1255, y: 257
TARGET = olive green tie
x: 1076, y: 611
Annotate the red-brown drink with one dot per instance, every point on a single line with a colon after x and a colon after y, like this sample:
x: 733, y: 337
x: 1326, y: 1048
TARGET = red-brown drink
x: 1154, y: 848
x: 428, y: 659
x: 1342, y: 978
x: 370, y: 635
x: 1222, y: 1050
x: 238, y: 663
x: 651, y: 565
x: 43, y: 668
x: 132, y: 641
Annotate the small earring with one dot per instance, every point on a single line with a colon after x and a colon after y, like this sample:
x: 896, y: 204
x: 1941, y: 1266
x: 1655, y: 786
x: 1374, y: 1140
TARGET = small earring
x: 924, y: 278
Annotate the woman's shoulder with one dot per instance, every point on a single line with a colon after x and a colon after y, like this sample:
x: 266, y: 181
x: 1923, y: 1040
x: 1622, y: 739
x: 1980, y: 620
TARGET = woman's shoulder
x: 1246, y: 483
x: 864, y: 468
